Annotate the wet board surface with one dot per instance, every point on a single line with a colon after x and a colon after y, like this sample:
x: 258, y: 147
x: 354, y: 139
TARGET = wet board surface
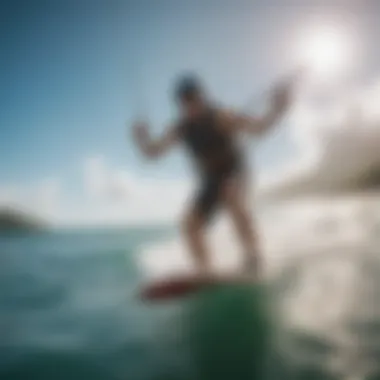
x: 182, y: 286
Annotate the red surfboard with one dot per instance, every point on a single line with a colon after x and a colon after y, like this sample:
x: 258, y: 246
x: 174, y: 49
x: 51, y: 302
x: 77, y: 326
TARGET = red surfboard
x: 177, y: 287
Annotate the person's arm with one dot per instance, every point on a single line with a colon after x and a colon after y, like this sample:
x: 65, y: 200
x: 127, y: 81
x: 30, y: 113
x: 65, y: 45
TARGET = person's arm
x: 259, y: 125
x: 154, y: 148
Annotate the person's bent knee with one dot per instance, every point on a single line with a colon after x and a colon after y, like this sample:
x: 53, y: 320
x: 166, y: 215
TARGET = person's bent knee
x: 244, y: 220
x: 240, y: 212
x: 246, y: 216
x: 191, y: 224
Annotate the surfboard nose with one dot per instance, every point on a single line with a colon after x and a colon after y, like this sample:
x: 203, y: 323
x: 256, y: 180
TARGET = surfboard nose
x: 171, y: 288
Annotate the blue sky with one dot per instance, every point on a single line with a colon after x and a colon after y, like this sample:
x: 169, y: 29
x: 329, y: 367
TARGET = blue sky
x: 72, y: 74
x: 75, y: 72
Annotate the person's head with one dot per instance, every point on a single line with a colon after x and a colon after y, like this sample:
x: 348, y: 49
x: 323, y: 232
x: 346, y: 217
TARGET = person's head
x: 190, y: 95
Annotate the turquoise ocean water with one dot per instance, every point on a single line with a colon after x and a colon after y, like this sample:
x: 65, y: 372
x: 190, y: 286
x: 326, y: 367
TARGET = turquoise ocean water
x: 68, y: 310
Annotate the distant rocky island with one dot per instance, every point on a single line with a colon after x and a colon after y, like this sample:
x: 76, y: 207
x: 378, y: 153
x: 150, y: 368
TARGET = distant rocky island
x: 12, y: 220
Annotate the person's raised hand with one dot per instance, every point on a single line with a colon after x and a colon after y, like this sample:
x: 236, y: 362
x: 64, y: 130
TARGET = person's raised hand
x: 140, y: 130
x: 282, y: 96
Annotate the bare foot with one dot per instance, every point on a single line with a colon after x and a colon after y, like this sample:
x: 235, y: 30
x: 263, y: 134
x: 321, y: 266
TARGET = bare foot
x: 251, y: 266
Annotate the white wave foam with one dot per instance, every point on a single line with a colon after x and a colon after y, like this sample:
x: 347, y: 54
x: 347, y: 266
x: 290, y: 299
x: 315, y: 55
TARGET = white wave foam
x: 297, y: 228
x: 339, y: 148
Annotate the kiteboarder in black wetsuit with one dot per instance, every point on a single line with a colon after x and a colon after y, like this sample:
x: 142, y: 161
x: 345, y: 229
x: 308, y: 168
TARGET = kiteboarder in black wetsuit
x: 210, y: 135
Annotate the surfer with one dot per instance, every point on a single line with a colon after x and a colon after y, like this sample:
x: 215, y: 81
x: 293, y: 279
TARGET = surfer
x: 210, y: 134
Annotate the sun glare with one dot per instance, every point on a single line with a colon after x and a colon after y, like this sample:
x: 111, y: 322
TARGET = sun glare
x: 325, y: 51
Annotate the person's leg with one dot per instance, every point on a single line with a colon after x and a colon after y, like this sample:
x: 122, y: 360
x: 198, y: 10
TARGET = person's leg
x: 235, y: 198
x: 196, y: 222
x: 194, y: 234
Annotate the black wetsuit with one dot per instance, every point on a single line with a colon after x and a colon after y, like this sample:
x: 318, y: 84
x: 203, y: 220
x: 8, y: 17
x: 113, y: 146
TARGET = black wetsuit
x: 217, y: 156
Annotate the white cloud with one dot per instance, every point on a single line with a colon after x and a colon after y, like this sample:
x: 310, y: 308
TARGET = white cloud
x: 108, y: 195
x: 101, y: 181
x: 118, y: 196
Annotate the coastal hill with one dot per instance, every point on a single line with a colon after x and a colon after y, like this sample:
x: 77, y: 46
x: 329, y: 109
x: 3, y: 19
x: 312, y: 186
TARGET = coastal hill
x: 15, y: 220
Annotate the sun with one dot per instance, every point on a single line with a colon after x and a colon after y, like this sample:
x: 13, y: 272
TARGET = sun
x: 325, y: 51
